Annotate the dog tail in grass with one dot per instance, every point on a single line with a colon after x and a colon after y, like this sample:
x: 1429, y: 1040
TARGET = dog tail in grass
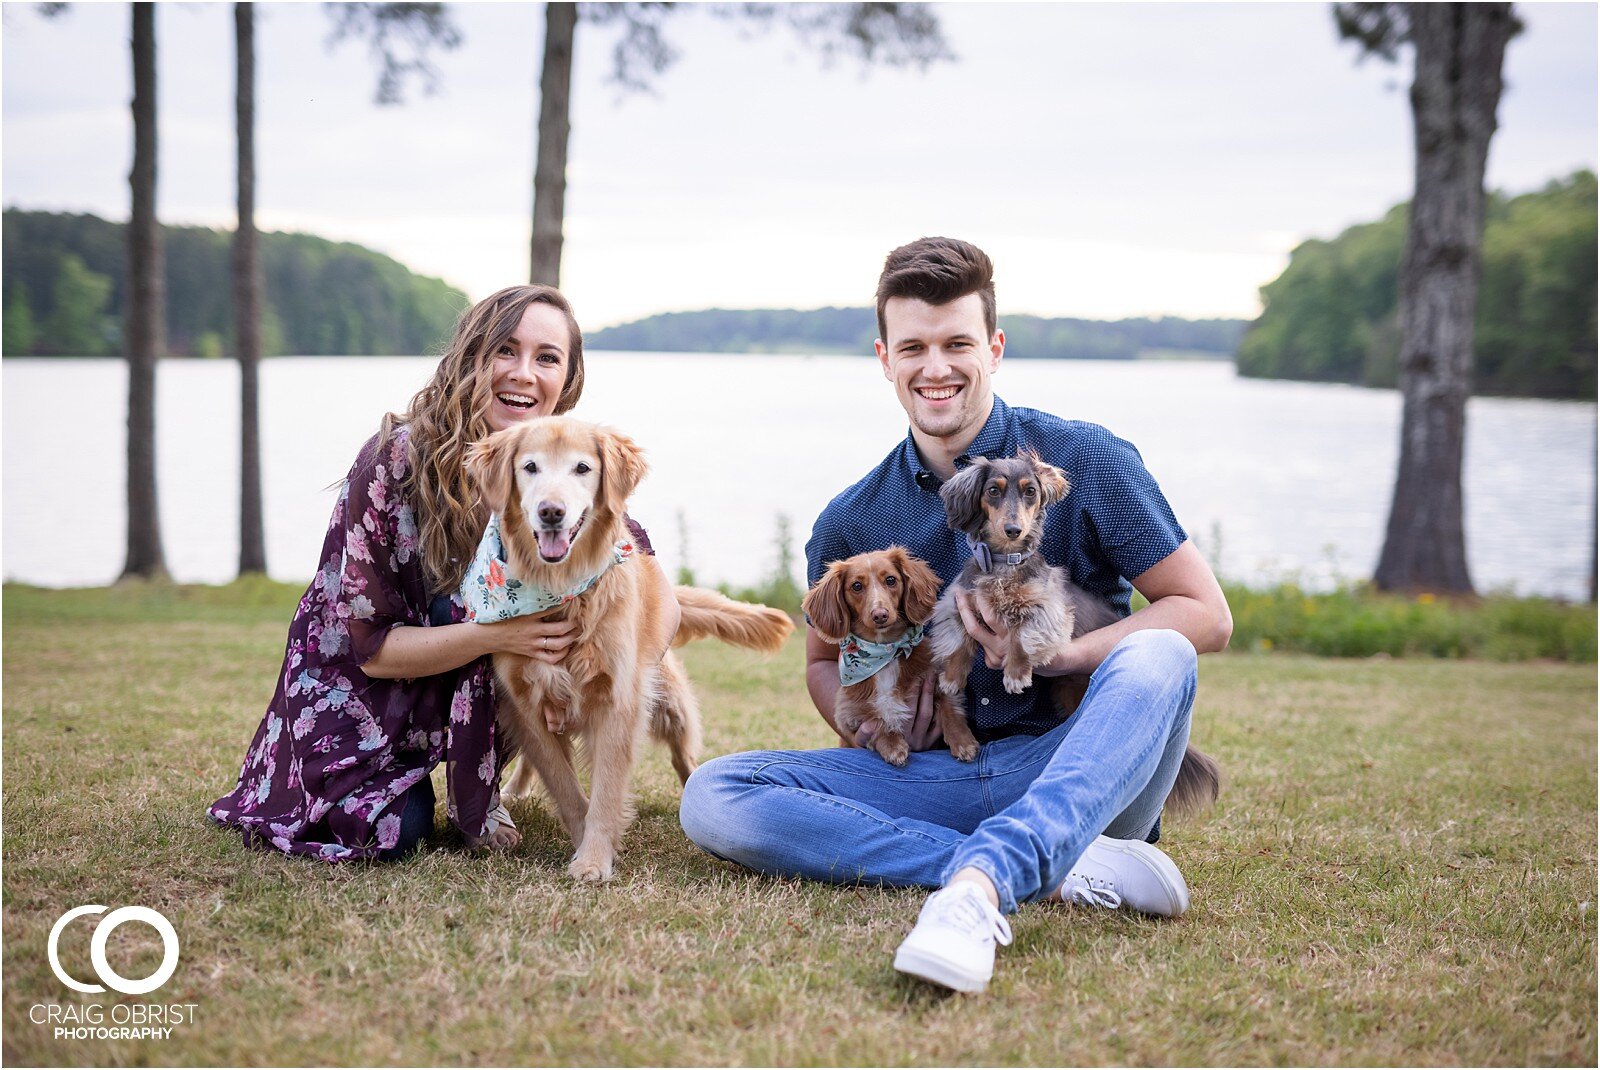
x: 709, y: 615
x: 1198, y: 785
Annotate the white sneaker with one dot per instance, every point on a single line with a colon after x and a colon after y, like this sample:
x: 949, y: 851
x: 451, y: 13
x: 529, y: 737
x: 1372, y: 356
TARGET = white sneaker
x: 1127, y: 873
x: 953, y: 942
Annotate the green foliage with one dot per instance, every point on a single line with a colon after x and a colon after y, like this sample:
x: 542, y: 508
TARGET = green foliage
x: 780, y: 589
x: 852, y: 330
x: 1359, y: 622
x: 1332, y: 315
x: 209, y: 345
x: 321, y: 297
x: 685, y: 577
x: 76, y: 324
x: 18, y: 327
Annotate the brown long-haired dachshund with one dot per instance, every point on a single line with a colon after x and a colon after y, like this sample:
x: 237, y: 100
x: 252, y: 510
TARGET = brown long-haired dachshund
x: 999, y: 505
x: 874, y: 606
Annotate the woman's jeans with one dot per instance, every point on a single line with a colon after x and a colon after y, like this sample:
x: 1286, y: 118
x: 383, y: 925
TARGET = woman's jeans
x: 416, y: 821
x: 1023, y: 812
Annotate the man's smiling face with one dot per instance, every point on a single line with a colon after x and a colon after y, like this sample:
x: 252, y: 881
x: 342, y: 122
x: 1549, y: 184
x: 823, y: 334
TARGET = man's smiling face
x: 940, y: 359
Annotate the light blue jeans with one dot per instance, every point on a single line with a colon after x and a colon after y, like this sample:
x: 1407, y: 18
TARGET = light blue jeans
x: 1023, y: 813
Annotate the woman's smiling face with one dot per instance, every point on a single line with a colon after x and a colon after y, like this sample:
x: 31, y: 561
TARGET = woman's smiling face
x: 530, y: 367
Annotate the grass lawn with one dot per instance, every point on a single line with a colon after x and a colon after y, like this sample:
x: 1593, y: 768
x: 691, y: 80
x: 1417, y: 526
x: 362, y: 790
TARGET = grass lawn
x: 1401, y: 871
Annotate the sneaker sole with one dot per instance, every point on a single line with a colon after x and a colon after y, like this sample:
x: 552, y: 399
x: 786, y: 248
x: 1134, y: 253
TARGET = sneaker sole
x: 925, y: 967
x: 1164, y: 868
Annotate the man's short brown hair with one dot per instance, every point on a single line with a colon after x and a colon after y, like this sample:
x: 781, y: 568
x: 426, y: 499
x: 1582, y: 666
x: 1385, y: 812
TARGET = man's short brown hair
x: 938, y: 271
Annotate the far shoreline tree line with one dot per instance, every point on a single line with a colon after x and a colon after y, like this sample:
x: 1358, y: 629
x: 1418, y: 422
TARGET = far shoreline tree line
x: 1458, y: 54
x: 1330, y: 316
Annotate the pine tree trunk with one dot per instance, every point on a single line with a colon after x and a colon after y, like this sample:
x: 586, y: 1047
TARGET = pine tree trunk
x: 1459, y: 49
x: 247, y: 303
x: 555, y: 126
x: 145, y: 321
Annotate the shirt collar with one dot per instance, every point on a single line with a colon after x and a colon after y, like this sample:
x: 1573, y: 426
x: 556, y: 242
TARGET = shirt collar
x: 995, y: 439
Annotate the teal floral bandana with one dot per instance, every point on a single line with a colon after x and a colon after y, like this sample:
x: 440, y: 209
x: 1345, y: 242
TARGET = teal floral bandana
x: 491, y: 597
x: 860, y: 659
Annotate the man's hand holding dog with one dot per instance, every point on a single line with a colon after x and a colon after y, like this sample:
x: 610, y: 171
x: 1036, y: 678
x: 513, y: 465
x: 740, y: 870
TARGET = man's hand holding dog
x: 924, y: 733
x: 990, y: 632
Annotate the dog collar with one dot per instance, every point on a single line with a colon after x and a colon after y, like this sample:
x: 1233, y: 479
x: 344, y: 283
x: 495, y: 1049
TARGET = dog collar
x: 860, y: 659
x: 492, y: 596
x: 987, y: 559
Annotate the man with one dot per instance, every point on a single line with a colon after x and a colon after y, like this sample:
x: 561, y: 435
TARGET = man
x: 1024, y: 821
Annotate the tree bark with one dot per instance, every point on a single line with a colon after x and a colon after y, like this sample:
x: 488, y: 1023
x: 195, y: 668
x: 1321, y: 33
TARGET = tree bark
x: 247, y: 302
x: 1459, y: 50
x: 555, y: 127
x: 145, y: 322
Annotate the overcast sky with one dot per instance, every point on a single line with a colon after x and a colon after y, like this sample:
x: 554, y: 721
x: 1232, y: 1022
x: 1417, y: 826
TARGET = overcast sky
x: 1115, y: 160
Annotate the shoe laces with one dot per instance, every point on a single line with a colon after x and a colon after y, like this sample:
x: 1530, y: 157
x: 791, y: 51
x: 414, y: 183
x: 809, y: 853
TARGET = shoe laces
x: 1089, y: 892
x: 968, y: 912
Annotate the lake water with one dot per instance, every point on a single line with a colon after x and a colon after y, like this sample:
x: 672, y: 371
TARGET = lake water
x: 1272, y: 479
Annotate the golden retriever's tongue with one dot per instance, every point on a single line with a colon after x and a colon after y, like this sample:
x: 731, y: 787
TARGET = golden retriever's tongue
x: 553, y: 545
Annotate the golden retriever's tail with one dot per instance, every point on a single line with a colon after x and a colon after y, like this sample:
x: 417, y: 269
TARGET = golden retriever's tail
x: 1198, y: 785
x: 707, y: 614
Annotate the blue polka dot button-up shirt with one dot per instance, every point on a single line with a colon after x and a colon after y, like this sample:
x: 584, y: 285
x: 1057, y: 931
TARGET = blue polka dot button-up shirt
x: 1114, y: 524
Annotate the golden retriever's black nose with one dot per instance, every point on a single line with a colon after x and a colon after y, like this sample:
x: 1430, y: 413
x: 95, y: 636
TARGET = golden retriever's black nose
x: 551, y: 513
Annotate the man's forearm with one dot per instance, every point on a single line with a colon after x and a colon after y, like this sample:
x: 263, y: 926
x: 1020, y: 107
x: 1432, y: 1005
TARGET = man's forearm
x: 1190, y: 617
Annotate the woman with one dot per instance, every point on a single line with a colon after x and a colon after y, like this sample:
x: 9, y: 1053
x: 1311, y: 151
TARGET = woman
x: 383, y: 679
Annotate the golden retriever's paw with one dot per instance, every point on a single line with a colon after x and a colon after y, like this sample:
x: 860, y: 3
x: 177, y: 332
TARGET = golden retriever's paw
x: 593, y: 866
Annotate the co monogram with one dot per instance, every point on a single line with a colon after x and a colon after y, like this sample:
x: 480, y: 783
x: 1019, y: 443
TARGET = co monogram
x: 97, y: 950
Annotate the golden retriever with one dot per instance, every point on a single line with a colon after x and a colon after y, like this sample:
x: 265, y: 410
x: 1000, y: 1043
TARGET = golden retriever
x: 880, y: 597
x: 560, y: 487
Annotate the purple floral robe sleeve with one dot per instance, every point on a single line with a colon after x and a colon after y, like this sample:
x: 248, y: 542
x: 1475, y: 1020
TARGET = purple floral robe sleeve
x: 336, y: 748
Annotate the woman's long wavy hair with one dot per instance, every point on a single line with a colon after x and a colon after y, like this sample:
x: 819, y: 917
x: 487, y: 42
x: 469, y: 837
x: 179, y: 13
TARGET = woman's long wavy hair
x: 451, y: 413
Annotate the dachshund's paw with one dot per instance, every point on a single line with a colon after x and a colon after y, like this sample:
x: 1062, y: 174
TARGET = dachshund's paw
x: 893, y: 749
x: 964, y: 752
x: 1016, y: 684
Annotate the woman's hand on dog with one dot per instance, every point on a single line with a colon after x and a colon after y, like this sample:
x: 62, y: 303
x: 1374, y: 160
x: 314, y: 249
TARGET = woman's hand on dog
x: 532, y: 637
x: 924, y: 733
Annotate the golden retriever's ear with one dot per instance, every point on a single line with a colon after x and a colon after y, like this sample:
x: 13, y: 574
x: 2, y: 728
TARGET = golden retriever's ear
x: 622, y: 466
x: 963, y: 496
x: 489, y: 467
x: 825, y: 607
x: 922, y: 585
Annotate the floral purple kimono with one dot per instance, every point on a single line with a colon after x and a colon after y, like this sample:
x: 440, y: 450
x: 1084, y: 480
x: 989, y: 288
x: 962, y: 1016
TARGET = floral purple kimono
x: 337, y: 748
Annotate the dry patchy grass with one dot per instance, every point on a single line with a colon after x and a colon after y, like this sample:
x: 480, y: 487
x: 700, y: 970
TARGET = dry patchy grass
x: 1402, y: 871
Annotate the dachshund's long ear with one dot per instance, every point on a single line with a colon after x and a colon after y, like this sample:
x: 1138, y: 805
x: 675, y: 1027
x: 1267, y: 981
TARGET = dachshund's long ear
x: 825, y: 607
x: 922, y: 586
x: 622, y: 466
x: 1053, y: 483
x: 963, y: 496
x: 489, y: 467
